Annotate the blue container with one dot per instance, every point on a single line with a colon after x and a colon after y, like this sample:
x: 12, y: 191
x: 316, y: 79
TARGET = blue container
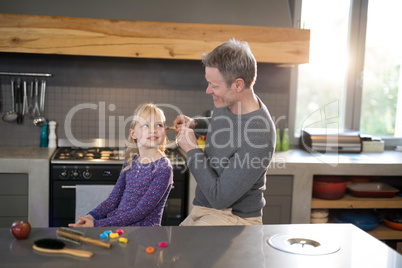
x: 366, y: 221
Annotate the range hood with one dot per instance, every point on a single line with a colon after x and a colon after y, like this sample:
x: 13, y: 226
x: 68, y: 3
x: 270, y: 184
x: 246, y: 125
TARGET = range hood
x: 146, y: 39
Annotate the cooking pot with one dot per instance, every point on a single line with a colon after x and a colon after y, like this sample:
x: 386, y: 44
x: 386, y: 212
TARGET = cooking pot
x: 394, y: 221
x: 366, y: 221
x: 329, y: 187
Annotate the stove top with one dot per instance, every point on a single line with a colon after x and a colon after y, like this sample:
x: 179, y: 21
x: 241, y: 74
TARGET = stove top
x: 68, y: 153
x: 102, y: 155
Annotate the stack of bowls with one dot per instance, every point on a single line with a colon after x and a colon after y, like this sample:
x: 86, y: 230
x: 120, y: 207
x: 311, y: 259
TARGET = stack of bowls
x: 319, y: 216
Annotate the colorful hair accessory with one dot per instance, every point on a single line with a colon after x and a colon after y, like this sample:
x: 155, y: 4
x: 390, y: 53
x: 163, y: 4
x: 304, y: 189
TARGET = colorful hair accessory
x: 103, y: 235
x: 163, y: 244
x: 150, y: 250
x: 113, y: 235
x: 123, y: 240
x: 120, y: 231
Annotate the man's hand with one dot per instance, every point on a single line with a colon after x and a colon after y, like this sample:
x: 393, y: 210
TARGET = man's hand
x: 184, y: 120
x: 186, y: 138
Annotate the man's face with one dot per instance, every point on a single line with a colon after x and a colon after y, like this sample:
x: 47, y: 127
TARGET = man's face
x: 221, y: 95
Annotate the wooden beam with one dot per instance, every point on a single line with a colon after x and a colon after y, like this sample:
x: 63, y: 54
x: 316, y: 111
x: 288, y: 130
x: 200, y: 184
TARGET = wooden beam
x: 145, y: 39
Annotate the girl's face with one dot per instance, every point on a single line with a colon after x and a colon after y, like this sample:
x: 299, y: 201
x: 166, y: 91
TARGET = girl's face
x: 149, y: 131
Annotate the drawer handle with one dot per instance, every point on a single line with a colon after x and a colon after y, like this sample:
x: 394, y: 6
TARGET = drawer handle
x: 68, y: 187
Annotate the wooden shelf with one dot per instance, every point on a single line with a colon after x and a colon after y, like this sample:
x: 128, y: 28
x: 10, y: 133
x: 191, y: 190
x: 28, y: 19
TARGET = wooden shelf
x: 383, y: 232
x: 146, y: 39
x: 349, y: 202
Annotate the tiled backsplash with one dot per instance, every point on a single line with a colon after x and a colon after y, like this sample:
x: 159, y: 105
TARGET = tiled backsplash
x: 94, y: 97
x: 88, y: 112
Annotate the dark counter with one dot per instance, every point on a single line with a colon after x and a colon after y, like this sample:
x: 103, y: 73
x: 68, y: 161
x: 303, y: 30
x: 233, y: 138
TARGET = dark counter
x: 237, y: 246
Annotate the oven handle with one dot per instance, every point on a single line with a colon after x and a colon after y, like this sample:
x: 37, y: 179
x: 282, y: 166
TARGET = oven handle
x: 74, y: 187
x: 68, y: 187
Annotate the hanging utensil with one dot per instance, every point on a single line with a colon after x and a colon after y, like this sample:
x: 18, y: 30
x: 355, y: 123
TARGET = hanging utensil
x: 42, y: 97
x: 19, y: 102
x: 38, y: 120
x: 11, y: 115
x: 25, y: 100
x: 36, y: 112
x: 0, y: 99
x: 31, y: 101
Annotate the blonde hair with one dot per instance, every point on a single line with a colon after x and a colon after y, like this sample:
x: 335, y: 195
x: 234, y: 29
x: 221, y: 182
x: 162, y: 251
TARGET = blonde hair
x: 147, y: 109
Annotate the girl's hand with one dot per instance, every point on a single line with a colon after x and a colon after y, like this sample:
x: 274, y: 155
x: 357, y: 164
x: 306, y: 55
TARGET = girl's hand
x: 87, y: 221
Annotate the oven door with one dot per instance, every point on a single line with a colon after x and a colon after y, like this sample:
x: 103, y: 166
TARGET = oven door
x: 62, y: 200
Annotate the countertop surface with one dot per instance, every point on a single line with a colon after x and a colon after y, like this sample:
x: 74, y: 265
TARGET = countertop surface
x: 215, y: 246
x: 25, y: 152
x: 295, y: 156
x: 303, y: 157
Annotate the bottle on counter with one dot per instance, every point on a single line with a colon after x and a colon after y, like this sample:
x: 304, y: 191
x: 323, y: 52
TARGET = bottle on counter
x: 278, y: 145
x: 43, y: 136
x: 52, y: 134
x: 201, y: 142
x: 285, y: 140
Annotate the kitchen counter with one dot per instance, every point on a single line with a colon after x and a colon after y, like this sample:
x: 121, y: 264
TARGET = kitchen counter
x: 33, y: 161
x: 300, y: 164
x: 229, y: 246
x: 303, y: 166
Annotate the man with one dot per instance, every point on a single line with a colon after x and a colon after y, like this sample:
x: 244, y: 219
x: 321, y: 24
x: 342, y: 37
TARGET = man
x: 240, y: 141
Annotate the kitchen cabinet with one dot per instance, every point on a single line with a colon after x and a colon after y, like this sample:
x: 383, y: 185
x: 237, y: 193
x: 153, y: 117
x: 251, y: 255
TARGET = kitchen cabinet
x: 146, y: 39
x: 278, y: 197
x: 13, y: 198
x: 303, y: 166
x: 381, y: 232
x: 34, y: 162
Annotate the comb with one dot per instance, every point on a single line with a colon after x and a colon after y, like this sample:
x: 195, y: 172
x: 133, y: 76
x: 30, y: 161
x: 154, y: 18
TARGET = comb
x: 75, y: 235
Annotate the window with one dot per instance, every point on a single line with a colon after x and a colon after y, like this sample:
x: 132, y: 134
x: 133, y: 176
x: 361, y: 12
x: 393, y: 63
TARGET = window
x: 321, y: 82
x: 382, y: 79
x: 350, y: 38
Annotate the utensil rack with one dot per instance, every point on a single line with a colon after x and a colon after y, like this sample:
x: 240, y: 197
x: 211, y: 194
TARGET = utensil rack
x: 24, y: 104
x: 26, y: 74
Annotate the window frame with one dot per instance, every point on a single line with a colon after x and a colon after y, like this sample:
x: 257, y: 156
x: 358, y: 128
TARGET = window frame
x: 353, y: 85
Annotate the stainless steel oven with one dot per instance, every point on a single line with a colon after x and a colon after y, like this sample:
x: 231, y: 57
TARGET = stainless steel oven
x: 72, y: 166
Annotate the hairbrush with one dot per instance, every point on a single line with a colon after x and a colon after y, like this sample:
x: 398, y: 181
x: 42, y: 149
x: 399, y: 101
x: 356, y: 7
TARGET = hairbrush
x: 78, y: 236
x: 170, y: 128
x: 48, y: 245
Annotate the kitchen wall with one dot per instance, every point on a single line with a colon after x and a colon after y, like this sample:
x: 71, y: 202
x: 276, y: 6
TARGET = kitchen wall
x: 94, y: 97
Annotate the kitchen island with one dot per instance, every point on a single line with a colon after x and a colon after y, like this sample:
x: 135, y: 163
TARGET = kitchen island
x: 229, y: 246
x: 33, y: 161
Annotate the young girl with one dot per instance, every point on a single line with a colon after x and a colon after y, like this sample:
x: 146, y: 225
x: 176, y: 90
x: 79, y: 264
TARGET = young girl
x: 140, y: 193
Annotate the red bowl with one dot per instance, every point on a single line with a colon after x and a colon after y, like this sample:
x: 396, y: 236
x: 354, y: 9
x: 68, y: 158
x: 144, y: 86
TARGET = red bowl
x: 329, y: 187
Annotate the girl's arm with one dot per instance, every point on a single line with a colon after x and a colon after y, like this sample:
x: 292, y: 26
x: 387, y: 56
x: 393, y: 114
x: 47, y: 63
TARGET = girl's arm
x: 160, y: 186
x: 113, y: 201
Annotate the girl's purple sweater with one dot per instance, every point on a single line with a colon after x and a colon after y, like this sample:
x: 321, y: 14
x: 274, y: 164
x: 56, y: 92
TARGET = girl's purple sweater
x: 139, y: 196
